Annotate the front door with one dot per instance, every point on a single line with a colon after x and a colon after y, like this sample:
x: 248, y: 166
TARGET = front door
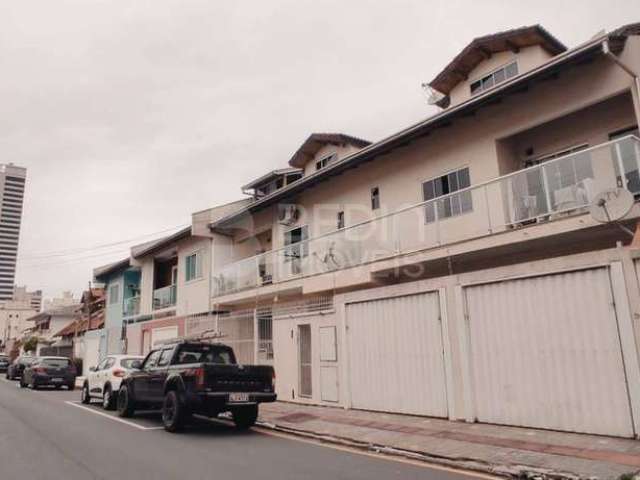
x: 305, y: 386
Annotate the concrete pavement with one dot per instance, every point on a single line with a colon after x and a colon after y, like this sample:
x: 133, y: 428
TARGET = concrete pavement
x: 47, y: 434
x: 519, y: 452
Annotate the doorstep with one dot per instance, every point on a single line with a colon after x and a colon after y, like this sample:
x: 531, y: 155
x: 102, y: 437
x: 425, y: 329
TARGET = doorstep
x: 501, y: 450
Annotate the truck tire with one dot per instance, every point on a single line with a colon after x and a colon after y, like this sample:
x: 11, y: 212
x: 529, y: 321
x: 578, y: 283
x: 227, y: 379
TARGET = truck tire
x: 126, y: 405
x: 174, y: 412
x: 245, y: 417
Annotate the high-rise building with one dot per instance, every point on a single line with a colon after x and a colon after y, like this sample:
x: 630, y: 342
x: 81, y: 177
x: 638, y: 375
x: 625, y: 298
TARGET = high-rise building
x: 12, y: 182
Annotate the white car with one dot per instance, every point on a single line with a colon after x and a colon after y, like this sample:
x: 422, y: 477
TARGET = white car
x: 104, y: 379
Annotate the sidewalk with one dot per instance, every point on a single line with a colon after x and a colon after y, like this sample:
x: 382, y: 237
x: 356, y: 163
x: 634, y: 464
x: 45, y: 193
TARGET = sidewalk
x: 508, y: 451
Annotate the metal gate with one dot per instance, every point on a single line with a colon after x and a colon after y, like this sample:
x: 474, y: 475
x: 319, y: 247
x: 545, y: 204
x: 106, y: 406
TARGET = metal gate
x: 305, y: 388
x: 396, y: 357
x: 545, y: 352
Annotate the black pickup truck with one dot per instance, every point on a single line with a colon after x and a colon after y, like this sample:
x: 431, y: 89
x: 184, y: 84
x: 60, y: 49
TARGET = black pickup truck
x: 196, y: 377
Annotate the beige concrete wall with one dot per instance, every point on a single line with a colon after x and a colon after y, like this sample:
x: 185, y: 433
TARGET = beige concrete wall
x: 193, y: 296
x: 341, y: 150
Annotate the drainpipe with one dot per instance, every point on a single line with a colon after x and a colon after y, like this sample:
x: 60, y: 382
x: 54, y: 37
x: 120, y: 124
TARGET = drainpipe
x: 607, y: 51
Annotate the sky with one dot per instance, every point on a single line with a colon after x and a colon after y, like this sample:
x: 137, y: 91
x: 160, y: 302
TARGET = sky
x: 131, y: 115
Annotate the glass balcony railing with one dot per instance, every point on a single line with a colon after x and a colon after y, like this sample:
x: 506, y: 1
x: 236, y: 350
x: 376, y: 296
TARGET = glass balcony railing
x: 164, y: 297
x: 545, y: 192
x: 131, y: 306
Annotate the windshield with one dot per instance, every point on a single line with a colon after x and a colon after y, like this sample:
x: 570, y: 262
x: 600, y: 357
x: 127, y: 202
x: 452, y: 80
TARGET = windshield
x: 205, y: 354
x: 55, y: 362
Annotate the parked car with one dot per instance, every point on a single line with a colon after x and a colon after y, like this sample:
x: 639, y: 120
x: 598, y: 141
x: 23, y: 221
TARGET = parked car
x: 104, y: 379
x: 4, y: 363
x: 49, y: 371
x: 196, y: 377
x: 14, y: 372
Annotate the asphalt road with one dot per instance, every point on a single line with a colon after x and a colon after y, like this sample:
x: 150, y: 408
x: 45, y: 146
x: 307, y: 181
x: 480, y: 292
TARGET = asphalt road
x: 48, y: 434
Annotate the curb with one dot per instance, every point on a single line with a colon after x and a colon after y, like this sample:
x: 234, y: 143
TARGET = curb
x: 480, y: 466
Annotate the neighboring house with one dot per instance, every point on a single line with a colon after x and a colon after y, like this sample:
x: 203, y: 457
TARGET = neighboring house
x: 34, y: 298
x: 174, y: 282
x: 453, y: 269
x: 122, y: 288
x: 49, y: 322
x: 63, y: 301
x: 83, y: 337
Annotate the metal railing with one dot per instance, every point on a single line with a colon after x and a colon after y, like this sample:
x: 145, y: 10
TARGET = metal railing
x: 544, y: 192
x: 131, y: 306
x: 164, y: 297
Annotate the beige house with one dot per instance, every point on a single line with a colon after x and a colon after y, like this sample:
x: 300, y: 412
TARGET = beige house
x: 453, y: 269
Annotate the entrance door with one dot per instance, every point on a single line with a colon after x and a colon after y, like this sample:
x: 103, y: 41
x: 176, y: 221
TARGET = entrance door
x: 305, y: 388
x: 396, y: 356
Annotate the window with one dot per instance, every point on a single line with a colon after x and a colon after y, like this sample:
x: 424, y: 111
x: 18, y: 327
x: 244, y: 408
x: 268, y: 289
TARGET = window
x: 205, y: 354
x: 624, y: 153
x: 165, y: 357
x: 494, y: 78
x: 340, y: 220
x: 114, y: 294
x: 193, y: 266
x: 320, y: 164
x: 375, y: 198
x: 55, y: 362
x: 451, y: 205
x: 297, y: 249
x: 128, y: 362
x: 152, y: 359
x: 109, y: 362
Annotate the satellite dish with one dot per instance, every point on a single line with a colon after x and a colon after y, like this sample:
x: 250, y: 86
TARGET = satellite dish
x: 611, y: 205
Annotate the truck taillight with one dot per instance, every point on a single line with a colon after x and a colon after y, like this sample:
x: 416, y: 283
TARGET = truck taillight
x: 198, y: 374
x: 40, y: 370
x: 119, y: 373
x: 273, y: 379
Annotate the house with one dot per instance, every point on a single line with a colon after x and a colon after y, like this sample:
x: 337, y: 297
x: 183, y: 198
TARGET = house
x: 13, y: 320
x: 84, y: 338
x: 171, y: 294
x: 453, y: 269
x: 46, y: 326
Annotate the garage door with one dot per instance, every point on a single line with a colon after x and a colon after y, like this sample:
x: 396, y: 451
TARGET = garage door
x: 163, y: 333
x: 395, y: 355
x: 545, y: 352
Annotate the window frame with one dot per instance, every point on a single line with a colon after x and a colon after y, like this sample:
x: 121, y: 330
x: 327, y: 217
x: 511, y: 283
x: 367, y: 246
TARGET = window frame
x: 491, y: 76
x: 198, y: 274
x: 375, y: 198
x: 169, y: 355
x: 326, y: 160
x: 145, y: 364
x: 114, y: 299
x: 340, y: 221
x: 432, y: 201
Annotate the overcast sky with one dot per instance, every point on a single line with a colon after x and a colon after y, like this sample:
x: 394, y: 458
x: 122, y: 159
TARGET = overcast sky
x: 130, y: 115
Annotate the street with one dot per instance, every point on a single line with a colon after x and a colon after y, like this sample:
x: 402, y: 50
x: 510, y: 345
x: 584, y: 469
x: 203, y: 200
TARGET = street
x: 48, y: 434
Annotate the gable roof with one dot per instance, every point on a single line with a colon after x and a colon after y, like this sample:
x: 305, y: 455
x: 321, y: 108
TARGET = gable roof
x: 316, y: 141
x: 482, y: 48
x: 113, y: 267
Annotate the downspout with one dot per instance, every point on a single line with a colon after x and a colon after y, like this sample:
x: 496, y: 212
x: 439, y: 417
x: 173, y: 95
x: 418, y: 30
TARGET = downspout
x: 607, y: 51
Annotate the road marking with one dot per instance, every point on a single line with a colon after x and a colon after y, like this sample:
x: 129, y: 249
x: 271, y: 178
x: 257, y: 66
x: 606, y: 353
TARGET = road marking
x: 380, y: 456
x: 106, y: 415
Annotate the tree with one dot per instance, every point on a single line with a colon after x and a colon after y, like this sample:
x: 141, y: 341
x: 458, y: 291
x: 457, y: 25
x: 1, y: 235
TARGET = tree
x: 31, y: 344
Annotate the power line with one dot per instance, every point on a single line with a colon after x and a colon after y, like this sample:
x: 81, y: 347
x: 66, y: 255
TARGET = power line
x: 81, y: 250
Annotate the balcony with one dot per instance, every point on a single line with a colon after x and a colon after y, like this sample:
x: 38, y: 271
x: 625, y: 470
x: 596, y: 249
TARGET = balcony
x: 542, y: 193
x: 131, y: 306
x: 164, y: 297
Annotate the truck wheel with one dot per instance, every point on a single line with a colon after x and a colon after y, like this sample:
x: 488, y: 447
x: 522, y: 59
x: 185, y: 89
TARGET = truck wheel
x: 245, y: 417
x: 174, y: 412
x: 126, y: 406
x: 85, y: 397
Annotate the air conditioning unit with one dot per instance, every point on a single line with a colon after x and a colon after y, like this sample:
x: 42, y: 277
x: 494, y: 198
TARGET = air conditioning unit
x: 287, y: 214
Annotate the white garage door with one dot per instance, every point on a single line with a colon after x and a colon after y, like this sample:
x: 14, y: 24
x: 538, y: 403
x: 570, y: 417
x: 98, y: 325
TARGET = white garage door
x: 163, y: 333
x: 396, y: 356
x: 545, y: 352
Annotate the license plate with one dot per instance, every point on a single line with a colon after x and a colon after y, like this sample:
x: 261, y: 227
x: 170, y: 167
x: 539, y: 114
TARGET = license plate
x: 238, y: 397
x: 57, y: 380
